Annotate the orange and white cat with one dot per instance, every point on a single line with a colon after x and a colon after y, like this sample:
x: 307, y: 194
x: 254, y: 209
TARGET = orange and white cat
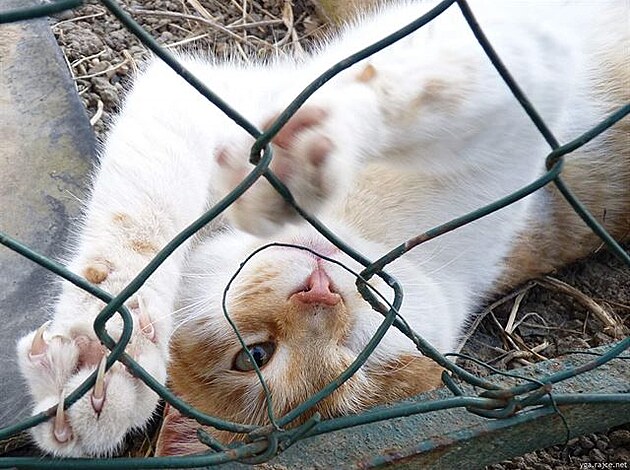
x: 412, y: 137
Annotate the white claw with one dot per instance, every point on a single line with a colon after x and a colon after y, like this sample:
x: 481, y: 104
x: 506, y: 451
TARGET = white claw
x: 98, y: 392
x: 61, y: 428
x: 39, y: 345
x: 146, y: 326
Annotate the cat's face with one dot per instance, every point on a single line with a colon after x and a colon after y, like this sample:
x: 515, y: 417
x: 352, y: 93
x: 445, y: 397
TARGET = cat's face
x: 303, y: 321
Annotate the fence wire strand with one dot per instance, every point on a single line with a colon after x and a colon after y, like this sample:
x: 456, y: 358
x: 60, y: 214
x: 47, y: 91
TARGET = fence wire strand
x: 266, y: 441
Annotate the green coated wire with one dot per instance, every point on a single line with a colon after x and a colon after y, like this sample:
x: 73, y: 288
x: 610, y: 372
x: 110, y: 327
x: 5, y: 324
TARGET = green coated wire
x: 268, y: 441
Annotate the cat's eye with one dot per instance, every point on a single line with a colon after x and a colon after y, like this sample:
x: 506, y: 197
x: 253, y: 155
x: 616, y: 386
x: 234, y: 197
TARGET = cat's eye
x: 261, y: 352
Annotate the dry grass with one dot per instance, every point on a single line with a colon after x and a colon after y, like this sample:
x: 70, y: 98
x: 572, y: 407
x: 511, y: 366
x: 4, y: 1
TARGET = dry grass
x: 243, y: 30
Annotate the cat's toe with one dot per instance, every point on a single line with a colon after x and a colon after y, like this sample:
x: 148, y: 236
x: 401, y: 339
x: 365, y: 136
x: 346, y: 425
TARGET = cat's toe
x: 303, y: 148
x: 46, y: 361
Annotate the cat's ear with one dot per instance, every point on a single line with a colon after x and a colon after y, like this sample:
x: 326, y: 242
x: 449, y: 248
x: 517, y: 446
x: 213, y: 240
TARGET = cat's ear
x: 177, y: 435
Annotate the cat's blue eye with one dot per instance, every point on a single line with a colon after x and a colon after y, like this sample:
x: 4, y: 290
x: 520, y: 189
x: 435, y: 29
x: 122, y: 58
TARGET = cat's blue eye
x: 261, y: 352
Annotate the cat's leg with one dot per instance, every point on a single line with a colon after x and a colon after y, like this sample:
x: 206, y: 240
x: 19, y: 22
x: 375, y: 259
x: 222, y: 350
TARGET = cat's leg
x: 150, y: 185
x: 431, y: 102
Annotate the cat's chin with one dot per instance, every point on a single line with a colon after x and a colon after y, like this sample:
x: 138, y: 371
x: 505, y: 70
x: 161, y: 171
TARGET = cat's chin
x: 376, y: 384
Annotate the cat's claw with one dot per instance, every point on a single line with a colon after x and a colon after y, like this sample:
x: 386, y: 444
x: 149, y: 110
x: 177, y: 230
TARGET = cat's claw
x: 98, y: 392
x: 61, y: 428
x: 39, y: 345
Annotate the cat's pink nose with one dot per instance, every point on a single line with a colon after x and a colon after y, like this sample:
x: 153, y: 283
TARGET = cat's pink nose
x: 318, y: 289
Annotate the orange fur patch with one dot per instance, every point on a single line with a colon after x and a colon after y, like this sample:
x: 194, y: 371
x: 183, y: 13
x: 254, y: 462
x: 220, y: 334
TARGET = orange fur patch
x: 142, y: 238
x: 367, y: 74
x: 96, y: 272
x: 122, y: 219
x: 144, y: 247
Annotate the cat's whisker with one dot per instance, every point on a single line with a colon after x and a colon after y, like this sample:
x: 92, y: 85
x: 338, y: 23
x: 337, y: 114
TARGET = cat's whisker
x: 193, y: 309
x: 448, y: 263
x: 431, y: 251
x: 196, y: 307
x: 199, y: 275
x: 391, y: 371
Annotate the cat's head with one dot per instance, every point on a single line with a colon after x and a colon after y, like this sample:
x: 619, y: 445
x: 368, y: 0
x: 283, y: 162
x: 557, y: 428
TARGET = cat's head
x: 304, y: 323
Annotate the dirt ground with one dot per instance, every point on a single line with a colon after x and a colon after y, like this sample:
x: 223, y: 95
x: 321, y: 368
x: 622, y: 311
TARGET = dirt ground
x: 543, y: 319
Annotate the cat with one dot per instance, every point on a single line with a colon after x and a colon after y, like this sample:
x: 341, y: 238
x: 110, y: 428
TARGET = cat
x: 405, y: 140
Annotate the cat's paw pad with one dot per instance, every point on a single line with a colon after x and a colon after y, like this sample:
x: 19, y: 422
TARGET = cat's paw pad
x: 302, y: 161
x: 55, y: 361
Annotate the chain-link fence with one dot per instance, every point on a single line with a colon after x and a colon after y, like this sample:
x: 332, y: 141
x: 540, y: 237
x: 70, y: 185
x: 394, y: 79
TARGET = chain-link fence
x: 262, y: 443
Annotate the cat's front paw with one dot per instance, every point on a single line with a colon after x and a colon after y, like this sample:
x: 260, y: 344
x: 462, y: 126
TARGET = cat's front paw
x: 303, y: 160
x: 60, y: 355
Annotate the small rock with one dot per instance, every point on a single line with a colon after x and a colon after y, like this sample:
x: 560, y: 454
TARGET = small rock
x: 165, y: 37
x: 107, y: 92
x: 619, y: 437
x: 601, y: 445
x: 85, y: 43
x: 99, y: 67
x: 118, y: 39
x: 586, y: 443
x: 81, y: 70
x: 577, y: 452
x: 572, y: 441
x: 602, y: 338
x: 597, y: 455
x: 530, y: 459
x: 137, y: 50
x: 120, y: 71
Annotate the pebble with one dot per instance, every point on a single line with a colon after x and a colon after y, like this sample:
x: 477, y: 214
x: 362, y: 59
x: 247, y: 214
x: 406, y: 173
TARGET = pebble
x: 64, y: 15
x: 619, y: 437
x: 166, y: 37
x: 597, y: 455
x: 99, y: 67
x: 586, y: 443
x: 601, y: 445
x: 107, y: 92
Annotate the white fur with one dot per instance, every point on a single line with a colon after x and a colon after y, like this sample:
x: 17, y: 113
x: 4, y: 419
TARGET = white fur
x: 471, y: 146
